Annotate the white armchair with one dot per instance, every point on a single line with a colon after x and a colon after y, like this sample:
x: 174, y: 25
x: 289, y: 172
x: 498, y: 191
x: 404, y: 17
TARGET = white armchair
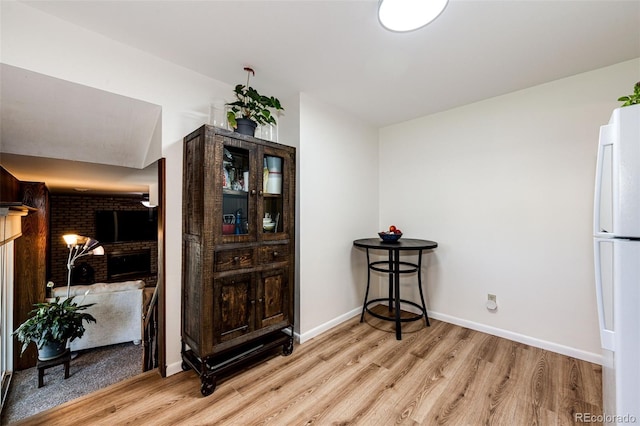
x: 117, y: 310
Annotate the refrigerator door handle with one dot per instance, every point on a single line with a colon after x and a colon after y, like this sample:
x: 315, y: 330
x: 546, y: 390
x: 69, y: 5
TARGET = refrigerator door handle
x: 606, y: 335
x: 606, y: 139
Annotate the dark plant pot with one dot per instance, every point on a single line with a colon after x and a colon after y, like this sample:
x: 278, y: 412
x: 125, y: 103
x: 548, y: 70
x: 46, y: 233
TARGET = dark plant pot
x: 52, y: 350
x: 246, y: 126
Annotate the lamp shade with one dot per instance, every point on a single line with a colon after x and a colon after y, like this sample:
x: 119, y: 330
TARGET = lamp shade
x: 70, y: 239
x: 90, y: 244
x: 409, y: 15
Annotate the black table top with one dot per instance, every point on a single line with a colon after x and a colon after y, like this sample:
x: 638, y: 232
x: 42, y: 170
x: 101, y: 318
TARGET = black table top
x: 401, y: 244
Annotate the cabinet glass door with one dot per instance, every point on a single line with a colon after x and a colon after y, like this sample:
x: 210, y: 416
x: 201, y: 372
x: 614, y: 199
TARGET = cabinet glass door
x: 235, y: 191
x: 272, y: 194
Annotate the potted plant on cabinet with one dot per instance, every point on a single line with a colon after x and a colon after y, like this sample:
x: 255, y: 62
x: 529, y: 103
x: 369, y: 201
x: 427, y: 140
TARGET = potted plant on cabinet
x: 50, y: 326
x: 251, y: 108
x: 632, y: 99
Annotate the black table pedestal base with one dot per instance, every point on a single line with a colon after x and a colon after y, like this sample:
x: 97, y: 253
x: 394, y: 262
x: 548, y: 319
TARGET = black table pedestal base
x: 394, y: 268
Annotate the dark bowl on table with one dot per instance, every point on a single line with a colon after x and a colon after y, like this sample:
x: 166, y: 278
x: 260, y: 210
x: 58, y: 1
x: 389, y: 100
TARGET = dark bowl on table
x: 389, y: 238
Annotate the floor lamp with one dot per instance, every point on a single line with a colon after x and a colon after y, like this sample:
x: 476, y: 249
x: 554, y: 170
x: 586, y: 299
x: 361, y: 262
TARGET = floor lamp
x: 80, y: 246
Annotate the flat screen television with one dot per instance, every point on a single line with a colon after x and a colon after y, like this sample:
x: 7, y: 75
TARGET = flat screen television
x: 126, y: 225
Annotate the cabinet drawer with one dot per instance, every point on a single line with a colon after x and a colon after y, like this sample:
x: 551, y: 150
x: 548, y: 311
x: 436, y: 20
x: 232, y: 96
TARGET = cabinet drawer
x: 227, y: 260
x: 274, y: 253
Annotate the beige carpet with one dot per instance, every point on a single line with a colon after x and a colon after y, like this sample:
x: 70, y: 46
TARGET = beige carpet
x: 89, y: 371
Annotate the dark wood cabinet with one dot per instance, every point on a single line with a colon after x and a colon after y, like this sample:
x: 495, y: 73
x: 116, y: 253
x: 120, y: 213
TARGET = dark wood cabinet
x: 238, y: 250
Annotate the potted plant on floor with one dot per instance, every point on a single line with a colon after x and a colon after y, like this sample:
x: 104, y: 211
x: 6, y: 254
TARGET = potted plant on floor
x: 51, y: 325
x: 251, y: 108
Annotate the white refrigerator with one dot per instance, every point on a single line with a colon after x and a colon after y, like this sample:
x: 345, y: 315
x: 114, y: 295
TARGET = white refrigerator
x: 617, y: 263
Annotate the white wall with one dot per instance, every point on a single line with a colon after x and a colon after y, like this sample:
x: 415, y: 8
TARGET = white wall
x: 505, y: 186
x: 338, y: 204
x: 289, y: 130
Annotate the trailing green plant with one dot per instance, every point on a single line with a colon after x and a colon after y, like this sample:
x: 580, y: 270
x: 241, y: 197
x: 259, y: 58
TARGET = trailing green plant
x: 633, y: 98
x: 252, y: 105
x: 53, y: 321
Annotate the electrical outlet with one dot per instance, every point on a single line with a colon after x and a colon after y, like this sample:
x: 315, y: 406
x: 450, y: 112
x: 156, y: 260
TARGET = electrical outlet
x: 492, y: 304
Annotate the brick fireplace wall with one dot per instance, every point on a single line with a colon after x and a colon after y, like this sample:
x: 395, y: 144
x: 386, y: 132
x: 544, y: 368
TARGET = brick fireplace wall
x: 76, y: 214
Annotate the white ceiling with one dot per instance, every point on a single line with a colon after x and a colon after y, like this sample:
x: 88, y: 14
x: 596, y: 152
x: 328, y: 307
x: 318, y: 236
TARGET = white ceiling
x: 337, y: 52
x: 91, y: 126
x: 75, y: 121
x: 69, y: 177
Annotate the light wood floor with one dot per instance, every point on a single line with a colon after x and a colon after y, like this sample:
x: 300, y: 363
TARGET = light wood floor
x: 359, y: 374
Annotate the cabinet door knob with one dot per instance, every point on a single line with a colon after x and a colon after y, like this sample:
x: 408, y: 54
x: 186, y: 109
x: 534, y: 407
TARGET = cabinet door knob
x: 275, y: 254
x: 260, y: 192
x: 253, y: 192
x: 236, y: 259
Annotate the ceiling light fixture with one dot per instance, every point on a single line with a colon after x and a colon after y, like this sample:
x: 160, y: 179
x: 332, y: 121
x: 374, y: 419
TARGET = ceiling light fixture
x: 409, y: 15
x: 149, y: 200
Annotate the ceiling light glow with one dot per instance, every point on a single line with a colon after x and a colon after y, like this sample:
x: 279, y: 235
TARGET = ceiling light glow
x: 409, y: 15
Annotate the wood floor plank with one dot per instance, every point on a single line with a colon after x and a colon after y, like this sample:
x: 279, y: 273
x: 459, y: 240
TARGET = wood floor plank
x: 543, y: 391
x: 437, y: 368
x: 499, y: 398
x: 465, y: 390
x: 359, y: 374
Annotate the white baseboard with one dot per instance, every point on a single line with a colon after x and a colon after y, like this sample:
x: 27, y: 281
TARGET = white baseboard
x: 174, y: 368
x: 303, y: 337
x: 520, y: 338
x: 494, y: 331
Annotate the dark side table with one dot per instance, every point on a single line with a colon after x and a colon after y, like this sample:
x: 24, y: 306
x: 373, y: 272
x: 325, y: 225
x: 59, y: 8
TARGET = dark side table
x: 395, y: 267
x: 43, y: 365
